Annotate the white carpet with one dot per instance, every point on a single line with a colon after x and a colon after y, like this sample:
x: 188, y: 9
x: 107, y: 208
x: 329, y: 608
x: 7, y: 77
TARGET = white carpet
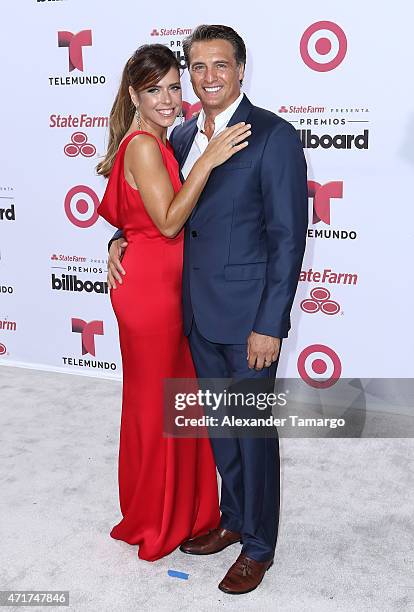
x: 346, y: 535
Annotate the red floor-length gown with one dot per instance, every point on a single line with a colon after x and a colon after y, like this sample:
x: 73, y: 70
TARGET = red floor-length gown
x: 167, y: 486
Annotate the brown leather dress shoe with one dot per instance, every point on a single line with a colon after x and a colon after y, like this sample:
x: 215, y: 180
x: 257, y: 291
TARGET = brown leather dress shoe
x: 212, y: 542
x: 244, y: 575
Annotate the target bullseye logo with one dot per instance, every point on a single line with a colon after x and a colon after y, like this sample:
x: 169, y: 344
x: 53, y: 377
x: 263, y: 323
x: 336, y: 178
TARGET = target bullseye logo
x: 80, y: 145
x: 3, y: 349
x: 320, y: 301
x: 319, y: 366
x: 81, y: 203
x: 323, y: 46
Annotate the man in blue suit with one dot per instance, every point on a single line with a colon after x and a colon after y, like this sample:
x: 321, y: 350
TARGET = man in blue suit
x: 243, y: 250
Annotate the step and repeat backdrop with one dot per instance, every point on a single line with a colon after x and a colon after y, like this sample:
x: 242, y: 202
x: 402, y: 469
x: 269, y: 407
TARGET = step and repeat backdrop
x: 340, y: 75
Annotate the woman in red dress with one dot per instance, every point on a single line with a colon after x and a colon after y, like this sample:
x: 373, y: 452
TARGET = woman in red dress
x: 167, y: 486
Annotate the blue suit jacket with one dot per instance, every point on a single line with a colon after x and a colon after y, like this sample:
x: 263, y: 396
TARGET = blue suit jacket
x: 245, y: 239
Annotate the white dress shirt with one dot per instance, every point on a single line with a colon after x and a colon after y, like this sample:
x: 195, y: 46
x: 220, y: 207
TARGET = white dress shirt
x: 201, y: 141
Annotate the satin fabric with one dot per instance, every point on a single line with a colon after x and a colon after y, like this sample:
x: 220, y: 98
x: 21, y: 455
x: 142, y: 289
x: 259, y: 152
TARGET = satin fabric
x: 167, y: 486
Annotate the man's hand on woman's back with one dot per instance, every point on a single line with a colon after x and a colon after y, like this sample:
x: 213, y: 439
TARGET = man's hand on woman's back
x: 115, y: 269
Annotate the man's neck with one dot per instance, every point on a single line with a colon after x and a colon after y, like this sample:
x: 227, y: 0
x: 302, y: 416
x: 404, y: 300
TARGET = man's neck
x: 210, y: 117
x: 211, y: 113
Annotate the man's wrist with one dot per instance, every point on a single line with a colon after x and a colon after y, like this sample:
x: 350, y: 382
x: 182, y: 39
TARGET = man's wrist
x: 265, y: 334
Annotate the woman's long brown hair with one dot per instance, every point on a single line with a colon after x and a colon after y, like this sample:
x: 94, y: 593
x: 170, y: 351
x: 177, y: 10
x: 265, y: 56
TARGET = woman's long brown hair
x: 148, y: 65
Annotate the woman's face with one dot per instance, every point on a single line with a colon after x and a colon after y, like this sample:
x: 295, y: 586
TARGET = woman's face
x: 160, y: 104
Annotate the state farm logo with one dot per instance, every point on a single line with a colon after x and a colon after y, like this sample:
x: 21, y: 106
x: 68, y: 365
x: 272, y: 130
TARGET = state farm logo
x: 191, y: 110
x: 75, y: 44
x: 64, y: 258
x: 81, y: 203
x: 88, y: 331
x: 328, y: 276
x: 321, y: 195
x: 319, y: 366
x: 171, y: 32
x: 323, y: 46
x: 320, y: 301
x: 175, y: 40
x: 79, y: 145
x: 6, y: 325
x: 3, y: 349
x: 78, y: 121
x: 301, y: 109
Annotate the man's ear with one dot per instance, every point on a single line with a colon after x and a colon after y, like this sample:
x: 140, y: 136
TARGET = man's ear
x: 241, y: 71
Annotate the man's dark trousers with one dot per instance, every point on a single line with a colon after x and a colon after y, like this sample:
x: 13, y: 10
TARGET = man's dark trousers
x: 249, y: 467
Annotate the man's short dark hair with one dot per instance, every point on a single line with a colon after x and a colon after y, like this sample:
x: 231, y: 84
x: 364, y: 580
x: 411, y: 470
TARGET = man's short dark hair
x: 214, y: 32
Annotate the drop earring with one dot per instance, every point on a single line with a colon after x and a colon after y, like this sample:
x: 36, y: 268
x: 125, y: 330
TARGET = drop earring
x: 181, y: 116
x: 138, y: 117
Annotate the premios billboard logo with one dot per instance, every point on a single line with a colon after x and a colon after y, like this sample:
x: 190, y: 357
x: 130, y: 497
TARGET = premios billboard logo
x: 7, y: 203
x: 74, y: 284
x: 78, y: 274
x: 76, y: 43
x: 320, y: 126
x: 9, y: 213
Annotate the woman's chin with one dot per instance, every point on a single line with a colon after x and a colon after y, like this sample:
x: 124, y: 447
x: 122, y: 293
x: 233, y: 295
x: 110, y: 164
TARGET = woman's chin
x: 166, y: 122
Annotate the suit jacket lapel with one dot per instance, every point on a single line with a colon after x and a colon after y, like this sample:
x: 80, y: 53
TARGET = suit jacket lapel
x: 185, y: 148
x: 242, y: 111
x: 241, y: 114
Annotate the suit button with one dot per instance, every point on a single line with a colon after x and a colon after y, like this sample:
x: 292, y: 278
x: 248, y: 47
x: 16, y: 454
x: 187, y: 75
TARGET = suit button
x: 194, y: 234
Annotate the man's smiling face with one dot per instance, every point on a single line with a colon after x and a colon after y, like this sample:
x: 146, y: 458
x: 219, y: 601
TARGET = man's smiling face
x: 215, y: 74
